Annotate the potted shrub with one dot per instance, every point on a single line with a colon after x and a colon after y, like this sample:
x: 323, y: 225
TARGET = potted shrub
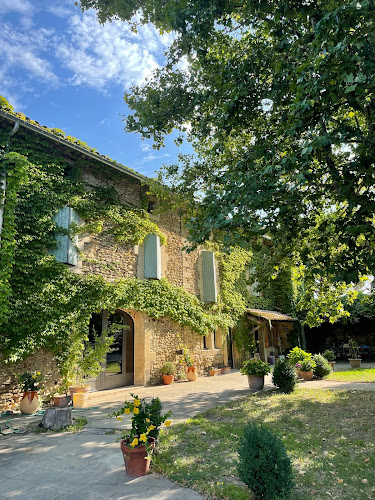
x: 191, y: 370
x: 354, y: 358
x: 255, y: 369
x: 321, y: 368
x: 330, y: 357
x: 31, y: 382
x: 137, y: 444
x: 213, y: 372
x: 296, y: 355
x: 225, y: 369
x: 306, y: 368
x: 168, y: 370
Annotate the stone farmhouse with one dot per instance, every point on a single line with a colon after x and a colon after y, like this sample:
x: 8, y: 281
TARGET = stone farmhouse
x: 144, y: 343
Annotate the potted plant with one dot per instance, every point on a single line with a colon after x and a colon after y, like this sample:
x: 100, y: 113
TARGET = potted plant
x: 32, y: 382
x: 225, y: 369
x: 330, y: 357
x: 213, y: 372
x: 168, y: 370
x: 255, y: 369
x: 137, y: 444
x: 354, y: 358
x: 306, y: 368
x: 191, y: 370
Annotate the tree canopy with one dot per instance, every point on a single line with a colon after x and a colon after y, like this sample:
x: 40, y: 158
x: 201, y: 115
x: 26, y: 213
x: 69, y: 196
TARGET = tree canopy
x: 277, y: 98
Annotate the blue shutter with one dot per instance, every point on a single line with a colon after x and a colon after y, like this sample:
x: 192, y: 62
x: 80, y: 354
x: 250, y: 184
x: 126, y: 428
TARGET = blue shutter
x: 209, y: 276
x: 152, y: 256
x: 65, y: 251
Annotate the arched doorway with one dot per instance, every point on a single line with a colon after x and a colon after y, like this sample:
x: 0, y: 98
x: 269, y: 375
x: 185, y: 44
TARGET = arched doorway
x: 118, y: 368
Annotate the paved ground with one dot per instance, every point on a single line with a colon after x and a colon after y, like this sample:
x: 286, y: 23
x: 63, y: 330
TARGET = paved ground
x: 89, y: 465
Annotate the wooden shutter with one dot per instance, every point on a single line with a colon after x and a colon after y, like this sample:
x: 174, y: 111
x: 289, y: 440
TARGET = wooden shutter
x: 152, y: 256
x: 66, y: 250
x: 209, y: 276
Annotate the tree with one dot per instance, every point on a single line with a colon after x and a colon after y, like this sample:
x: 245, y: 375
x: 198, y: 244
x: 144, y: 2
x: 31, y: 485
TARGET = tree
x: 278, y: 101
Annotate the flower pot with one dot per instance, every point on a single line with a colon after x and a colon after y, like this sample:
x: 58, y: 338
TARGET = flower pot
x: 256, y: 383
x: 61, y: 401
x: 79, y: 395
x: 214, y: 372
x: 225, y: 369
x: 136, y: 463
x: 306, y: 375
x: 355, y: 362
x: 168, y: 379
x: 29, y: 403
x: 191, y: 373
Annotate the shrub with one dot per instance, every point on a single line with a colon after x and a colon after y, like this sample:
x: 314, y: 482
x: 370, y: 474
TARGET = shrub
x: 255, y: 367
x: 168, y: 368
x: 306, y: 365
x: 264, y: 464
x: 322, y: 368
x: 329, y: 355
x: 284, y: 376
x: 297, y: 355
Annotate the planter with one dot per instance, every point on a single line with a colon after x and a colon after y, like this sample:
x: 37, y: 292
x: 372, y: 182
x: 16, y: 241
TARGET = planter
x: 61, y: 401
x: 168, y: 379
x: 225, y: 369
x: 79, y: 395
x: 355, y: 362
x: 214, y: 372
x: 191, y: 373
x: 256, y: 383
x: 29, y: 403
x: 306, y: 375
x: 271, y: 360
x: 136, y: 464
x: 332, y: 365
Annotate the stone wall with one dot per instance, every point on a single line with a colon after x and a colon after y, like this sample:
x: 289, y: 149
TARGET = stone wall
x: 10, y: 391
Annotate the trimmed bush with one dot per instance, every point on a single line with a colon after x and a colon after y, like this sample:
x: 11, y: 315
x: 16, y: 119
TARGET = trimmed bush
x: 168, y: 368
x: 322, y: 368
x: 329, y: 355
x: 297, y: 355
x: 264, y: 464
x: 284, y: 376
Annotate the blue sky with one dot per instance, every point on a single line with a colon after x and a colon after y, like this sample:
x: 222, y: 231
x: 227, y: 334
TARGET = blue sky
x: 65, y: 70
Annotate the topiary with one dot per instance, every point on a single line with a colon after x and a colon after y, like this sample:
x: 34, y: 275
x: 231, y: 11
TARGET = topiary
x: 284, y: 376
x: 329, y: 355
x: 322, y: 368
x: 264, y: 464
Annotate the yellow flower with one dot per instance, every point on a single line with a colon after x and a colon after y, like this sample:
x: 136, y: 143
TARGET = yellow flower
x: 151, y: 428
x: 167, y: 423
x: 127, y: 411
x: 135, y: 411
x: 119, y: 418
x: 148, y: 420
x: 34, y: 376
x: 137, y: 402
x: 143, y: 437
x: 134, y: 442
x: 38, y: 373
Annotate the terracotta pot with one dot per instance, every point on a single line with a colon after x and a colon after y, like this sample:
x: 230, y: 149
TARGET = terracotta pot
x: 168, y: 379
x: 62, y: 401
x: 191, y: 373
x: 73, y: 389
x: 306, y: 375
x: 355, y: 362
x: 225, y: 369
x: 215, y: 372
x: 135, y: 460
x: 79, y: 395
x: 29, y: 403
x: 256, y: 383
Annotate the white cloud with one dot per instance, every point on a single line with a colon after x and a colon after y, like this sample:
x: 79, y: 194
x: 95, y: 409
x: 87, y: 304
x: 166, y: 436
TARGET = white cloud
x: 21, y: 6
x: 152, y: 157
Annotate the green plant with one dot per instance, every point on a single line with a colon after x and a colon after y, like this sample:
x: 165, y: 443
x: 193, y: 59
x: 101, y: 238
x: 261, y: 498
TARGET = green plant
x: 185, y: 352
x: 329, y: 355
x: 296, y: 355
x: 284, y: 376
x: 306, y: 365
x: 264, y: 464
x: 353, y: 350
x: 32, y: 381
x: 321, y: 368
x: 255, y: 367
x: 168, y: 368
x: 146, y: 419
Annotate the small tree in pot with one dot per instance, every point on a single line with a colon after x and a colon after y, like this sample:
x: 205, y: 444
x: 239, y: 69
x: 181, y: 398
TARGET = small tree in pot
x: 255, y: 369
x: 168, y: 370
x: 354, y: 357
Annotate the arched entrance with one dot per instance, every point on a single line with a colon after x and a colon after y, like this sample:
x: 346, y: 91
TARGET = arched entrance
x: 118, y: 368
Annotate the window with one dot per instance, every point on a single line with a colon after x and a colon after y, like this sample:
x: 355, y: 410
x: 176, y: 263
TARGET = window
x: 152, y: 257
x: 66, y: 250
x: 209, y: 276
x: 204, y: 342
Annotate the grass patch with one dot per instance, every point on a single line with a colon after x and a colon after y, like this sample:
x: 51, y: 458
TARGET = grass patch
x: 357, y: 375
x: 328, y: 435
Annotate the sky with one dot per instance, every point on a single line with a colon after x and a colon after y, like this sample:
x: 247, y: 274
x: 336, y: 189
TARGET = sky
x: 63, y: 69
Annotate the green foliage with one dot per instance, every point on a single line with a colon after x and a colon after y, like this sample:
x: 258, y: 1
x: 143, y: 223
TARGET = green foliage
x: 284, y: 376
x: 32, y: 381
x: 306, y: 365
x: 329, y: 355
x: 297, y: 355
x: 264, y: 464
x: 321, y: 368
x: 353, y: 349
x: 245, y: 343
x: 168, y: 368
x: 255, y: 367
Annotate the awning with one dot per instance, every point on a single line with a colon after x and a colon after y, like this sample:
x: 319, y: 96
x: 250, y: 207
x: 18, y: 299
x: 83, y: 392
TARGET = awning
x: 270, y: 315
